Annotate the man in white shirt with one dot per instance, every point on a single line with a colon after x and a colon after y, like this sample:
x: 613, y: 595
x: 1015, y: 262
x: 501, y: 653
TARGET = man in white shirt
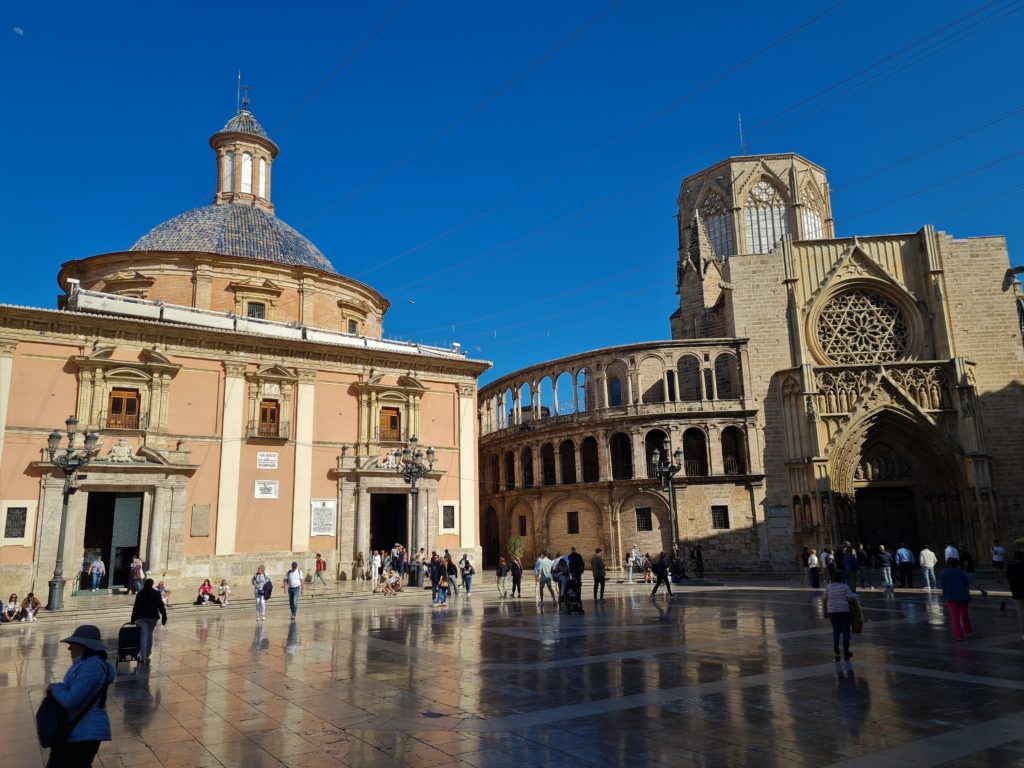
x: 542, y: 572
x: 927, y: 561
x: 951, y: 552
x: 294, y: 580
x: 998, y: 560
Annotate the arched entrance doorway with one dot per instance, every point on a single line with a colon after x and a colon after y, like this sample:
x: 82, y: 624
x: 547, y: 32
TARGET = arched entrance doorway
x: 897, y: 480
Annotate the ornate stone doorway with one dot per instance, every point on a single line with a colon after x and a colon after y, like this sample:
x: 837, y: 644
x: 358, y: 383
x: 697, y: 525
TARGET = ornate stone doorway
x: 113, y: 527
x: 388, y: 513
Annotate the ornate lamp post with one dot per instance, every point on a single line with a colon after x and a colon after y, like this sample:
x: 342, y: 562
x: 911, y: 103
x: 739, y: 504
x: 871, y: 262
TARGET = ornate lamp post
x: 69, y: 462
x: 412, y: 463
x: 666, y: 471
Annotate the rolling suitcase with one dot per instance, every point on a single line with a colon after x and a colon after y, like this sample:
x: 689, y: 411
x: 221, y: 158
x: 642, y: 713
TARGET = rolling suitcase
x: 129, y: 643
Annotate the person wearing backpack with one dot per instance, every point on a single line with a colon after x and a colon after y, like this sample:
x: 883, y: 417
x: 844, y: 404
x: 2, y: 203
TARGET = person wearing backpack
x: 261, y: 584
x: 83, y: 695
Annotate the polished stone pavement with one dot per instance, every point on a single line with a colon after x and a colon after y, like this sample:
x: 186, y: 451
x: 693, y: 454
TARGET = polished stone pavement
x: 717, y: 677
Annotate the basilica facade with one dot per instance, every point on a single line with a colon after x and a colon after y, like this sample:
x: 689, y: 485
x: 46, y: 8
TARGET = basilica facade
x: 816, y: 389
x: 246, y: 402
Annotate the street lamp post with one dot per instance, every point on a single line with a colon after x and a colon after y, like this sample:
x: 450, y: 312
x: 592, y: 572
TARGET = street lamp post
x: 69, y: 462
x: 412, y: 463
x: 666, y: 471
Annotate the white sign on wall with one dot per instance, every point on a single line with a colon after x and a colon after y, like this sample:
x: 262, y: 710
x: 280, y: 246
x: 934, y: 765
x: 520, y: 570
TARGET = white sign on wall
x: 266, y: 460
x: 323, y: 520
x: 266, y: 489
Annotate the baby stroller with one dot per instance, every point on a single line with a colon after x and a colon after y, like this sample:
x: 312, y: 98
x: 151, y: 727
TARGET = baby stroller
x: 573, y: 597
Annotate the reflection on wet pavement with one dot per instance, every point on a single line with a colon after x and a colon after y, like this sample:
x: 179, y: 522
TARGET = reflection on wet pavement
x: 714, y: 677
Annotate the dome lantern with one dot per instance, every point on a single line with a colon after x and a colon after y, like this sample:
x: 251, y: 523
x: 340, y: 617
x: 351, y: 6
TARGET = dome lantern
x: 244, y: 156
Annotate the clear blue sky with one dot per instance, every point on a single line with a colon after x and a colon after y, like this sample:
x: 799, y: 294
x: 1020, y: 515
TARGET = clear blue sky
x: 505, y: 174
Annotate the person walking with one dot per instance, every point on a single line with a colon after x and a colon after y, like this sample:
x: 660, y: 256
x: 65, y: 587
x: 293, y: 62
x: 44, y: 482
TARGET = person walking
x: 905, y: 566
x: 967, y: 565
x: 805, y: 556
x: 84, y: 688
x: 435, y: 572
x: 835, y: 605
x: 697, y: 555
x: 813, y: 576
x: 864, y: 567
x: 516, y: 567
x: 884, y: 559
x: 468, y: 572
x: 927, y: 561
x: 661, y: 573
x: 502, y: 577
x: 597, y: 570
x: 542, y: 571
x: 149, y: 607
x: 259, y: 581
x: 956, y: 591
x: 294, y: 580
x: 1015, y: 578
x: 998, y: 560
x: 138, y: 574
x: 576, y: 568
x: 320, y: 568
x: 850, y: 567
x: 97, y: 570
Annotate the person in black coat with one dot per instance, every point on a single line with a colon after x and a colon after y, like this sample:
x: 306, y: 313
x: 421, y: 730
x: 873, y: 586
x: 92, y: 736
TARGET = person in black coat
x: 149, y: 607
x: 661, y: 576
x: 576, y: 567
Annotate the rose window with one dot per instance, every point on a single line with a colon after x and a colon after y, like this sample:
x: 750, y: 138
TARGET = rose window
x: 860, y: 327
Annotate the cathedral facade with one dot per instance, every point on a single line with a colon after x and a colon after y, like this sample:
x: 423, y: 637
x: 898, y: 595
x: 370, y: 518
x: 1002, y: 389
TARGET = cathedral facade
x: 819, y: 388
x: 246, y: 403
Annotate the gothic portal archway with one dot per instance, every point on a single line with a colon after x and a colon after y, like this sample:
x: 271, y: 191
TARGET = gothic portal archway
x: 896, y: 478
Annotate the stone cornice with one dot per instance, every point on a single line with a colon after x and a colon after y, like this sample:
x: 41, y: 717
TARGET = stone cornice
x: 80, y: 329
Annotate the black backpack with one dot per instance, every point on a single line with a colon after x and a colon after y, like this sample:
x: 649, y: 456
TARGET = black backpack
x: 268, y: 589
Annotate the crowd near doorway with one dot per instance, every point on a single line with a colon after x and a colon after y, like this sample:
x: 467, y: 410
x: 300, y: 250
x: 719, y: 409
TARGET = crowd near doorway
x: 388, y: 523
x: 113, y: 526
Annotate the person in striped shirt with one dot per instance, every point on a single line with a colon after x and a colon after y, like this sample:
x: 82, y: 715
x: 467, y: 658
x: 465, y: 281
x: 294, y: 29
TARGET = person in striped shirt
x: 836, y: 607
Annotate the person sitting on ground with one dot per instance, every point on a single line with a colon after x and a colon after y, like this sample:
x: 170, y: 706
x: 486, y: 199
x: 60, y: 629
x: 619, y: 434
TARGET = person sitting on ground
x: 223, y: 593
x: 30, y: 607
x: 205, y: 595
x: 165, y: 593
x: 392, y: 583
x: 648, y: 569
x: 12, y: 609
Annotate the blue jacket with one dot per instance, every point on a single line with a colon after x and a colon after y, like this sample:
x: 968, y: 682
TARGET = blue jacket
x: 81, y: 683
x: 955, y: 586
x: 850, y: 563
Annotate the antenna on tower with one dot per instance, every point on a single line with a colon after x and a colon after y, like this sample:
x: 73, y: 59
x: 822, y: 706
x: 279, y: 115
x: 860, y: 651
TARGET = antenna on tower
x: 743, y: 144
x: 238, y: 93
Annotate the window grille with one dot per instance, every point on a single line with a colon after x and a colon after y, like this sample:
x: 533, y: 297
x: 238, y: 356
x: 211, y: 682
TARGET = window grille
x: 448, y: 515
x: 720, y: 517
x: 643, y: 519
x: 256, y: 310
x: 573, y: 522
x: 15, y: 523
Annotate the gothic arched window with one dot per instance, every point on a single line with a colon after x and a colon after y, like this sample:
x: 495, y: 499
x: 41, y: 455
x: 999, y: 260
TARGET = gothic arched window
x: 718, y: 225
x: 765, y: 220
x: 812, y: 214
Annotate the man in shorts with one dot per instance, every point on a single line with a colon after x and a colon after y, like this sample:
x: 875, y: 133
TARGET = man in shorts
x: 998, y: 560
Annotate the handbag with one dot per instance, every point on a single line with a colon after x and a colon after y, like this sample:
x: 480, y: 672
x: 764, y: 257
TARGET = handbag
x: 52, y: 724
x: 268, y: 589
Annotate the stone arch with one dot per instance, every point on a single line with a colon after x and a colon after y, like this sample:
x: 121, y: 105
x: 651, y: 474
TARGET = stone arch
x: 653, y: 541
x: 695, y: 452
x: 522, y: 508
x: 651, y: 376
x: 565, y: 402
x: 547, y: 464
x: 590, y: 460
x: 590, y: 519
x: 585, y: 385
x: 617, y: 378
x: 689, y: 386
x: 525, y: 402
x: 620, y: 450
x: 567, y: 460
x: 715, y: 214
x: 654, y: 440
x: 734, y: 451
x: 727, y: 377
x: 508, y: 415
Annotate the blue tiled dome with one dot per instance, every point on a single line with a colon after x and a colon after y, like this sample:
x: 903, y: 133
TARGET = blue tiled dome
x: 235, y: 230
x: 244, y: 122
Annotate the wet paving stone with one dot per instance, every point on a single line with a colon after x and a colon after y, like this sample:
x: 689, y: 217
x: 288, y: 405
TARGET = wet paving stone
x: 716, y: 677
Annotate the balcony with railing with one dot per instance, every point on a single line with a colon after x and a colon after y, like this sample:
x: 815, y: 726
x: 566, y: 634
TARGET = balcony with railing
x: 128, y: 421
x: 263, y: 430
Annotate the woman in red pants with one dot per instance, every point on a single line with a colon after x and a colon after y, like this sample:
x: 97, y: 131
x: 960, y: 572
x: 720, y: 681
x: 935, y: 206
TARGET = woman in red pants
x: 956, y: 593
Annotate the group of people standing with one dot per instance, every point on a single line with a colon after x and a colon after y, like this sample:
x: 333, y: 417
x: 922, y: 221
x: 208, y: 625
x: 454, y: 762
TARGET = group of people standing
x: 445, y: 577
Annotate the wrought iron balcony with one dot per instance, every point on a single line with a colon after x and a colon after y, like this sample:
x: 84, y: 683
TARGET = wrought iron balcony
x: 262, y: 430
x: 123, y: 421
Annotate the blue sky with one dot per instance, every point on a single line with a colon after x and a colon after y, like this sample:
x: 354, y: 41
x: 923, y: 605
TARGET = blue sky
x: 505, y: 174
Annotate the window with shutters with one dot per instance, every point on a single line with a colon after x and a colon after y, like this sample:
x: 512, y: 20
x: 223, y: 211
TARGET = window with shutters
x: 270, y: 419
x: 390, y: 424
x: 123, y: 409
